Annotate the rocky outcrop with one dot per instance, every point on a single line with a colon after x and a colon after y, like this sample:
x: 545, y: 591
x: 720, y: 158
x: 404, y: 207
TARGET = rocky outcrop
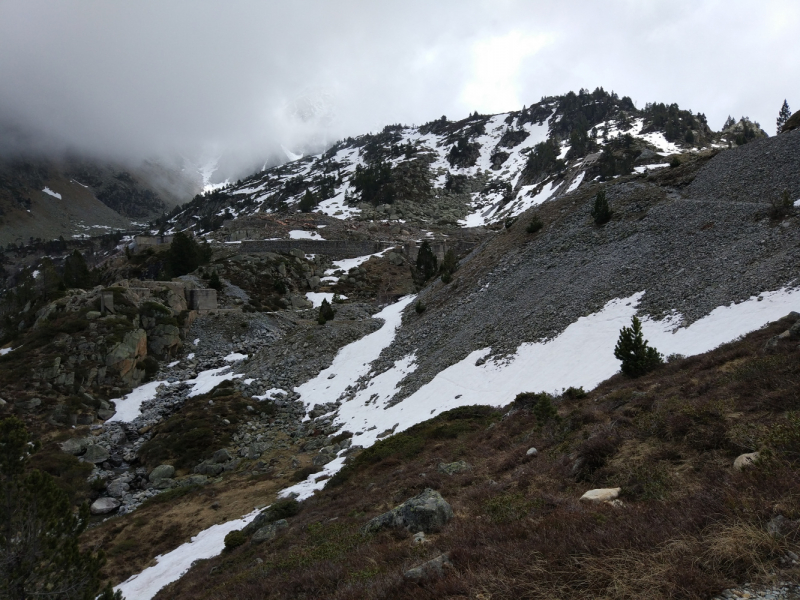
x: 427, y: 512
x: 125, y: 356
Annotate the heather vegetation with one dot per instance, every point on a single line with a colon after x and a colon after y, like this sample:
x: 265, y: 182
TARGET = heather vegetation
x: 688, y: 524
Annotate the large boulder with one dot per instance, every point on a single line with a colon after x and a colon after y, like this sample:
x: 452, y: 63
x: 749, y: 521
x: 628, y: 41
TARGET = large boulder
x: 95, y: 454
x: 125, y: 355
x: 164, y: 340
x: 427, y: 512
x: 161, y: 472
x: 103, y: 506
x: 268, y: 532
x: 743, y: 461
x: 74, y: 446
x: 601, y: 495
x: 431, y: 569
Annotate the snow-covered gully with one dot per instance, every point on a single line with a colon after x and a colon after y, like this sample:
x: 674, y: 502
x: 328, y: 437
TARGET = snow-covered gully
x: 582, y: 355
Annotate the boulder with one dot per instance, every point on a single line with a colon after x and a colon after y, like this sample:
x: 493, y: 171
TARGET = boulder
x: 28, y: 405
x: 161, y: 472
x: 124, y: 356
x: 601, y: 495
x: 194, y: 480
x: 74, y: 446
x: 95, y: 454
x: 428, y: 512
x: 432, y: 568
x: 164, y: 340
x: 105, y: 414
x: 209, y: 468
x: 325, y: 456
x: 454, y: 467
x: 268, y: 532
x: 222, y: 456
x: 744, y: 461
x: 103, y: 506
x: 165, y: 483
x: 117, y: 488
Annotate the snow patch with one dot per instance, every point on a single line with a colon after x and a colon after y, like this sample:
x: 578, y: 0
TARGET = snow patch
x: 299, y: 234
x: 234, y: 357
x: 208, y: 380
x: 129, y: 407
x: 316, y: 298
x: 47, y: 190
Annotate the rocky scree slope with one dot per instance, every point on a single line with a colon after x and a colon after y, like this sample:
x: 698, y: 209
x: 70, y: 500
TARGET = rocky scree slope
x: 694, y: 237
x: 475, y: 171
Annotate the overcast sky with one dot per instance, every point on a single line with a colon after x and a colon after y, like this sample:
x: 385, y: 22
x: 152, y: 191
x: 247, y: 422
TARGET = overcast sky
x: 146, y: 78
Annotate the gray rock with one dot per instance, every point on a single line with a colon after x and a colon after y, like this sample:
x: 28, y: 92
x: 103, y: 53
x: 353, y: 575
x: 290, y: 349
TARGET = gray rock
x: 28, y: 405
x: 165, y: 483
x: 103, y: 506
x: 268, y: 532
x: 432, y: 568
x: 105, y: 414
x: 452, y: 468
x: 161, y: 472
x: 194, y: 480
x: 95, y: 454
x: 117, y: 488
x: 207, y: 468
x: 532, y: 452
x: 428, y: 512
x: 222, y: 456
x: 74, y: 446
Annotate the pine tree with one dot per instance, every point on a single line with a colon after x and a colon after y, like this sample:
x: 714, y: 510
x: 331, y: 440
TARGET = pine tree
x: 39, y: 552
x: 214, y: 281
x: 76, y: 272
x: 783, y: 116
x: 308, y: 202
x: 637, y: 357
x: 601, y: 212
x: 326, y: 310
x: 184, y: 255
x: 449, y: 266
x: 426, y: 262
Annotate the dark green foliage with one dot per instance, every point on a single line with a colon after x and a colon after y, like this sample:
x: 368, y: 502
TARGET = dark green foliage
x: 601, y: 211
x: 150, y: 366
x: 214, y: 281
x: 457, y: 184
x: 783, y: 116
x: 185, y: 254
x: 39, y: 552
x: 637, y: 357
x: 420, y: 307
x: 464, y: 153
x: 302, y: 473
x: 282, y: 509
x: 426, y: 262
x: 325, y: 312
x: 672, y: 120
x: 375, y: 183
x: 781, y: 206
x: 279, y: 286
x: 308, y: 202
x: 747, y: 134
x: 534, y: 225
x: 574, y: 393
x: 543, y: 160
x: 234, y: 539
x: 618, y: 157
x: 674, y: 162
x: 540, y: 404
x: 76, y: 272
x: 449, y: 266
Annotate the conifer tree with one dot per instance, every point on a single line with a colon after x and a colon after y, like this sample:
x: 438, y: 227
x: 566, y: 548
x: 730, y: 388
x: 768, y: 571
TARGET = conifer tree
x: 184, y: 255
x: 426, y: 262
x: 783, y: 116
x: 214, y: 281
x: 39, y: 552
x: 601, y: 212
x: 326, y: 310
x: 76, y: 272
x: 637, y: 357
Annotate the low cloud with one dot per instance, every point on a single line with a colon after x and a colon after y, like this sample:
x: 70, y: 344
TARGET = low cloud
x: 240, y: 79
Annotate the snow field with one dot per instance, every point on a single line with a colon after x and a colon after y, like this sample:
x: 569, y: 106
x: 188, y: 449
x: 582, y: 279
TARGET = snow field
x: 316, y: 298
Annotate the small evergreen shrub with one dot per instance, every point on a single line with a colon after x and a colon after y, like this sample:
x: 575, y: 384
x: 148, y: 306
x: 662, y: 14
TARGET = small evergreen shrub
x: 601, y: 212
x: 574, y: 393
x: 235, y: 539
x: 449, y: 266
x: 426, y: 262
x: 637, y: 357
x: 214, y: 282
x: 420, y: 307
x: 781, y: 207
x: 674, y: 162
x: 326, y: 310
x: 534, y: 225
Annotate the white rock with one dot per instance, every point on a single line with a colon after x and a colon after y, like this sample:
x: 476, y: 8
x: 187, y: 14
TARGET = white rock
x: 532, y: 452
x: 745, y: 460
x: 102, y: 506
x: 601, y: 495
